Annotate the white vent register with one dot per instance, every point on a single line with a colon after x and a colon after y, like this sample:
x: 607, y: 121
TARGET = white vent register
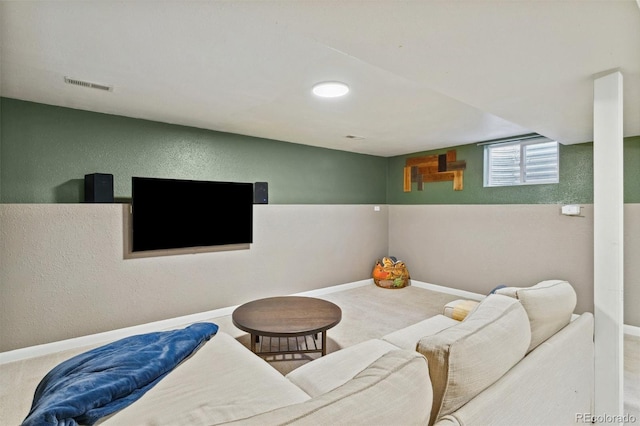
x: 88, y: 84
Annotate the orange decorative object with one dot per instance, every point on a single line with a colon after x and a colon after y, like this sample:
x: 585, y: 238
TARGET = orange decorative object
x: 390, y: 273
x: 378, y: 272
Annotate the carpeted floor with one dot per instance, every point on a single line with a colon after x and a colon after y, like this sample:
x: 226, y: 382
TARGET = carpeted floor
x: 370, y: 312
x: 367, y: 312
x: 632, y: 377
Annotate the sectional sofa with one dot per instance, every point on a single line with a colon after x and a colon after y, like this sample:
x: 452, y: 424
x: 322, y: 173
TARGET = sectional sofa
x: 519, y: 357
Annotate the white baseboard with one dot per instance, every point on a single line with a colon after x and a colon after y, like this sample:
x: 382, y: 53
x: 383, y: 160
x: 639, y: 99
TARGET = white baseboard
x: 632, y: 330
x: 454, y: 291
x: 335, y: 288
x: 109, y: 336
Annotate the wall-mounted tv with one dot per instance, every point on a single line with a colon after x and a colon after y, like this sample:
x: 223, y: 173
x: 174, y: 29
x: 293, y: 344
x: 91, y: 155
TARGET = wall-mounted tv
x: 174, y: 213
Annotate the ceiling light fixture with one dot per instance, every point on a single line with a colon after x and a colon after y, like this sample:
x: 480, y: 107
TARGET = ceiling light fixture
x: 330, y: 89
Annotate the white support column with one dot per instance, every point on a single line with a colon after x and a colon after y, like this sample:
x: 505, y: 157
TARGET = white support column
x: 608, y: 235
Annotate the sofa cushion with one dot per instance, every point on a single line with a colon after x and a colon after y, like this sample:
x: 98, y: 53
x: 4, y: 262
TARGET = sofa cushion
x: 407, y: 338
x: 549, y: 305
x: 335, y: 369
x: 547, y: 387
x: 467, y: 358
x: 223, y: 381
x: 459, y: 309
x: 393, y: 390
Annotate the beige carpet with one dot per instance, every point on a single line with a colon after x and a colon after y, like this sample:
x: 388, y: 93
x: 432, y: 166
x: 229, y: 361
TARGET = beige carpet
x: 367, y: 312
x: 632, y: 378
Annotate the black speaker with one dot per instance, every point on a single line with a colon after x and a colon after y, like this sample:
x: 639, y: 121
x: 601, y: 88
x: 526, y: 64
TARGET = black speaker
x: 98, y: 188
x: 261, y: 193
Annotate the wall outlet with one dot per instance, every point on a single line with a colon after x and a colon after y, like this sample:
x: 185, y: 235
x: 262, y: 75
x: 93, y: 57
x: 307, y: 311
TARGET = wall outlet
x: 571, y: 210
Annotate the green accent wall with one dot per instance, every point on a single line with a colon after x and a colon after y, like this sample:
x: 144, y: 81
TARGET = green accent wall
x: 575, y: 186
x: 47, y: 150
x: 632, y: 170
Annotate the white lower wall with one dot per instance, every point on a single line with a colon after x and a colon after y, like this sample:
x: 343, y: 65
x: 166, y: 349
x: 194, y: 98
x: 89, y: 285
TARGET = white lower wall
x: 63, y: 271
x: 477, y: 247
x: 632, y: 265
x: 112, y: 335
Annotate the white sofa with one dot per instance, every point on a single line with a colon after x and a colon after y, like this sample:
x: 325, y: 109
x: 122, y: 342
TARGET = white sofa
x: 484, y: 370
x: 223, y: 382
x: 517, y: 359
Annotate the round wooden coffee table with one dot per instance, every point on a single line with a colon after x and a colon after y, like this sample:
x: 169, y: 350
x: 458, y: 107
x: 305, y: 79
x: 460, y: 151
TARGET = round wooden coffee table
x: 296, y: 319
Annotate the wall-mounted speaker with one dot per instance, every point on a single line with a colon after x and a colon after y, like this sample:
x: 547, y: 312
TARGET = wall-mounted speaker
x: 261, y: 193
x: 98, y: 188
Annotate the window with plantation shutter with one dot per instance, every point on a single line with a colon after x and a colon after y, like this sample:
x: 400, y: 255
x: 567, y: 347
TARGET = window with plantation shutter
x: 521, y: 162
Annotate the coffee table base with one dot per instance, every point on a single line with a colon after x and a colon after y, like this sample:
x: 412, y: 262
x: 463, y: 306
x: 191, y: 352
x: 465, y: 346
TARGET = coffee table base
x: 284, y: 345
x: 290, y: 321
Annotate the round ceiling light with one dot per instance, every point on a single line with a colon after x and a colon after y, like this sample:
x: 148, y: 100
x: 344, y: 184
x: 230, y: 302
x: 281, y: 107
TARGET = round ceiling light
x: 330, y: 89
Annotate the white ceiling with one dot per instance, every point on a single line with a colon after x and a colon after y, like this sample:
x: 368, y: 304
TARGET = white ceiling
x: 423, y: 74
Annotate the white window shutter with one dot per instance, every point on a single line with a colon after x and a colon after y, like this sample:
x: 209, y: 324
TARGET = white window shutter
x: 521, y: 163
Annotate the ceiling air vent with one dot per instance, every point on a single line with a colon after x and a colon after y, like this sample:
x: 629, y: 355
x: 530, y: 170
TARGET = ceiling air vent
x: 87, y: 84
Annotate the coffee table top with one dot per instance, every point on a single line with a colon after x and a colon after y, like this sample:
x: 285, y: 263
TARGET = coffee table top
x: 286, y: 316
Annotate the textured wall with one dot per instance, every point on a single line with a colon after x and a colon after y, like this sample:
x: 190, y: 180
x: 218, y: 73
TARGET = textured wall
x: 632, y: 170
x: 632, y: 264
x: 477, y: 247
x: 47, y: 150
x: 64, y: 273
x: 575, y: 186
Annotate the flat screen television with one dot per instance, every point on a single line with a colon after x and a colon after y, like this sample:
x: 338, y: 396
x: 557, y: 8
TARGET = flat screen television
x: 174, y: 213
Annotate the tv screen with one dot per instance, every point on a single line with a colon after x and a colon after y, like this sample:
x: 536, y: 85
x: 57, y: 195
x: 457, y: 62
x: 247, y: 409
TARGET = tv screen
x: 173, y: 213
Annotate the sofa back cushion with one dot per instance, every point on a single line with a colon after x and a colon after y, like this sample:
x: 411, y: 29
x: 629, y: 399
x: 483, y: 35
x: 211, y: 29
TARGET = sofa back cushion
x: 394, y: 389
x: 337, y: 368
x: 549, y: 305
x: 469, y: 357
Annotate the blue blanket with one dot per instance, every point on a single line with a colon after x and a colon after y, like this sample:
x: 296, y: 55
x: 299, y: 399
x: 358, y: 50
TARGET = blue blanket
x: 104, y: 380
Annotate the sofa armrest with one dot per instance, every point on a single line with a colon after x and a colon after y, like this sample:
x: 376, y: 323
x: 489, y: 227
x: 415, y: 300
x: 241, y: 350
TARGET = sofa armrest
x: 548, y: 386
